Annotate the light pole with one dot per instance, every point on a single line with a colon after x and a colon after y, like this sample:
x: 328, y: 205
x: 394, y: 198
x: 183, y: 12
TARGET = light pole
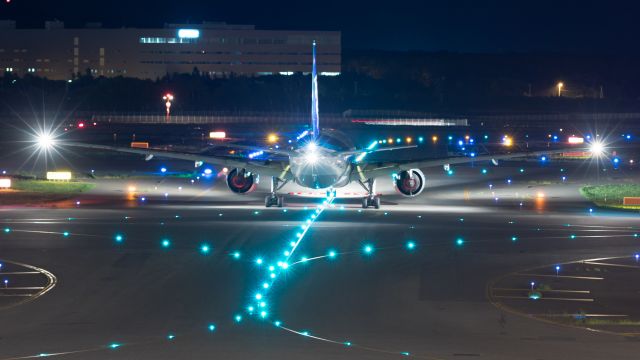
x: 168, y: 98
x: 560, y: 85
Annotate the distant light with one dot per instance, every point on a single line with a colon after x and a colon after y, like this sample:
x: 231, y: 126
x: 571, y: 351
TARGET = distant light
x: 208, y: 171
x: 211, y: 327
x: 543, y: 158
x: 236, y: 255
x: 119, y: 238
x: 189, y: 33
x: 238, y: 318
x: 163, y: 170
x: 459, y: 241
x: 114, y: 345
x: 165, y: 243
x: 411, y: 245
x: 259, y: 261
x: 332, y: 254
x: 507, y: 141
x: 272, y: 138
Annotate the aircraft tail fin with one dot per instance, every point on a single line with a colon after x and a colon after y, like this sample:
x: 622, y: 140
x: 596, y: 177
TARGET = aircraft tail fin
x: 315, y: 119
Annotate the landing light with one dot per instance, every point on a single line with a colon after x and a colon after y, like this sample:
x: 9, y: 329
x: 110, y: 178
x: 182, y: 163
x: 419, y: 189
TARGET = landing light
x: 45, y: 141
x: 597, y: 148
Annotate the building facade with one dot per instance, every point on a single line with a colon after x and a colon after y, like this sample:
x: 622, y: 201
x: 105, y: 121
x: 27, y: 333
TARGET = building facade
x: 213, y: 49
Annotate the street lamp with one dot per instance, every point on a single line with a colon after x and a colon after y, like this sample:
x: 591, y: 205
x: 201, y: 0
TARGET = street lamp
x: 168, y: 98
x: 560, y: 85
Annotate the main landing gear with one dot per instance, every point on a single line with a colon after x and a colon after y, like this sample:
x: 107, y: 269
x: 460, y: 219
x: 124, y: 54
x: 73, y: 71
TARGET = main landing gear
x: 274, y: 199
x: 371, y: 200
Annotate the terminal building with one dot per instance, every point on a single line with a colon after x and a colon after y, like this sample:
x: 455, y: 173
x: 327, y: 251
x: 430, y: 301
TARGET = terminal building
x: 213, y: 49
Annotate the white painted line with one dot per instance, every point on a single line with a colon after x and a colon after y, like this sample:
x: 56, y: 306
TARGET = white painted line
x: 543, y: 298
x: 16, y: 295
x: 574, y: 315
x: 613, y: 265
x: 23, y: 288
x: 20, y: 273
x: 545, y: 291
x: 562, y: 276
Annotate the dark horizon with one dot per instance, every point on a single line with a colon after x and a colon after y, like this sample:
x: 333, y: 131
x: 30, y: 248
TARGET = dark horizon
x: 466, y: 26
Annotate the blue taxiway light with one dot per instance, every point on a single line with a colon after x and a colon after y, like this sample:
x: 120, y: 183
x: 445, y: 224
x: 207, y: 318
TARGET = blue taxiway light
x: 205, y: 249
x: 114, y: 345
x: 163, y: 170
x: 7, y: 230
x: 368, y: 249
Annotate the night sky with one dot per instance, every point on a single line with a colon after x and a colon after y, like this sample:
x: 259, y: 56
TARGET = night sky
x: 461, y: 26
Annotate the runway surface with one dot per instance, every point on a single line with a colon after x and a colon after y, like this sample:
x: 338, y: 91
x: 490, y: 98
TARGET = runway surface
x: 173, y: 275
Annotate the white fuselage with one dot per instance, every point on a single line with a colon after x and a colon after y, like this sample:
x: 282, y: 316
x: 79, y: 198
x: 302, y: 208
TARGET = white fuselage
x: 320, y: 168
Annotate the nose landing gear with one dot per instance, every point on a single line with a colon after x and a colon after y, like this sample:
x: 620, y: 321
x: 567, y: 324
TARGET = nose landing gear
x: 274, y: 199
x: 371, y: 200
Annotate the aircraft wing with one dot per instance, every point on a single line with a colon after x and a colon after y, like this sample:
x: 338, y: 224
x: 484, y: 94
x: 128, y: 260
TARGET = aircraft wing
x: 278, y: 169
x: 377, y: 169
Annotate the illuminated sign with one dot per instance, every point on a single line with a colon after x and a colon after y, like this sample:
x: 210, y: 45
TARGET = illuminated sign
x: 5, y: 183
x: 58, y: 175
x: 217, y: 135
x: 575, y: 140
x: 140, y: 145
x: 189, y: 33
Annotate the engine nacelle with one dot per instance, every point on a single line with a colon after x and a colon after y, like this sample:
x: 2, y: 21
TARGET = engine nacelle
x: 410, y: 182
x: 241, y: 181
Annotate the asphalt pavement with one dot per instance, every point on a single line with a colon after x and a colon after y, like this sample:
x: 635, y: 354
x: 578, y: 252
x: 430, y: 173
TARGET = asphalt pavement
x: 162, y: 268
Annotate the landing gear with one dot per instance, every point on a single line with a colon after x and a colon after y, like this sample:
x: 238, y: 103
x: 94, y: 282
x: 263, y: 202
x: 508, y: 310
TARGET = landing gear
x: 371, y: 200
x: 274, y: 199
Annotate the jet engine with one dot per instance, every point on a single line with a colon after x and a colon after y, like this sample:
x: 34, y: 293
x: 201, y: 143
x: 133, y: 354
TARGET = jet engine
x: 410, y: 182
x: 241, y: 181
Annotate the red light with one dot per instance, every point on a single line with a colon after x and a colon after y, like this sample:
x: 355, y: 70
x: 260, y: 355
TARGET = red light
x: 81, y: 125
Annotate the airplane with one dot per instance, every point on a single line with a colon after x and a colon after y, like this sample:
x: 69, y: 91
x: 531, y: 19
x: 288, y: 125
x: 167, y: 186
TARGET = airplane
x: 317, y: 164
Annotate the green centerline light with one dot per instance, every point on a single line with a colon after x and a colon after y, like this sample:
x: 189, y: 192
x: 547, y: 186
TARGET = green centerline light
x: 114, y: 345
x: 459, y: 241
x: 65, y: 234
x: 411, y: 245
x: 165, y: 243
x: 118, y: 238
x: 211, y: 327
x: 7, y: 230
